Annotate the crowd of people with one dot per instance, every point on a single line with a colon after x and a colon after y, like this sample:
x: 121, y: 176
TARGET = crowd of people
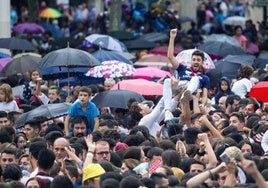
x: 194, y: 135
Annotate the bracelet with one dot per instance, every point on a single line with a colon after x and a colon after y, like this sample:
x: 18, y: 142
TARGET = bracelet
x: 211, y: 175
x: 90, y: 152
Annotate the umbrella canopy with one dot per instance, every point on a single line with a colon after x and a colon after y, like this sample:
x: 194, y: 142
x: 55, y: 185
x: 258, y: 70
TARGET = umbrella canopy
x: 115, y: 98
x: 49, y: 111
x: 235, y: 20
x: 50, y: 13
x: 3, y: 55
x: 261, y: 61
x: 106, y: 55
x: 111, y: 69
x: 155, y: 37
x: 69, y: 57
x: 121, y: 35
x: 21, y: 65
x: 222, y: 38
x: 25, y: 28
x: 141, y: 86
x: 228, y: 67
x: 27, y: 54
x: 79, y: 80
x: 221, y: 49
x: 106, y: 41
x: 185, y: 57
x: 153, y: 60
x: 259, y: 91
x: 52, y: 73
x: 162, y: 50
x: 4, y: 62
x: 149, y: 73
x: 139, y: 44
x: 14, y: 43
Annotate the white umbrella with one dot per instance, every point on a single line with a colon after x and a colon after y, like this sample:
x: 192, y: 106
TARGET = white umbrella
x: 235, y: 20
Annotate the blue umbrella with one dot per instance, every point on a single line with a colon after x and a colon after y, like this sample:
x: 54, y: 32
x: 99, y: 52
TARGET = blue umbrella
x: 106, y: 55
x: 3, y: 55
x: 80, y: 80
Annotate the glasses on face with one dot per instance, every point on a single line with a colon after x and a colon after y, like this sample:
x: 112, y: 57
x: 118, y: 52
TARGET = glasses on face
x: 103, y: 153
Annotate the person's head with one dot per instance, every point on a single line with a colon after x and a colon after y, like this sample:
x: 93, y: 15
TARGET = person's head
x: 45, y: 160
x: 134, y: 152
x: 222, y: 103
x: 198, y: 58
x: 80, y: 126
x: 84, y: 94
x: 12, y: 172
x: 35, y: 182
x: 245, y: 146
x: 102, y: 151
x: 34, y: 75
x: 245, y: 71
x: 20, y: 140
x: 237, y: 120
x: 108, y: 83
x: 222, y: 177
x: 24, y: 163
x: 130, y: 182
x: 91, y: 174
x: 35, y: 148
x: 195, y: 122
x: 59, y: 148
x: 53, y: 93
x: 159, y: 179
x: 4, y: 119
x: 197, y: 167
x: 238, y: 30
x: 129, y: 164
x: 171, y: 158
x: 8, y: 156
x: 32, y: 129
x: 61, y: 181
x: 6, y: 94
x: 224, y: 84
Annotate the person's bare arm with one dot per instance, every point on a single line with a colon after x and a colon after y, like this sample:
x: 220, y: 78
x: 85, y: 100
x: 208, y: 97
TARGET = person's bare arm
x: 96, y: 123
x: 213, y: 130
x: 66, y: 124
x: 170, y: 54
x: 204, y: 97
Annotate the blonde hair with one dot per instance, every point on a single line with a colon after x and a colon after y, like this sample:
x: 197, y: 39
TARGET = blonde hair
x: 7, y: 90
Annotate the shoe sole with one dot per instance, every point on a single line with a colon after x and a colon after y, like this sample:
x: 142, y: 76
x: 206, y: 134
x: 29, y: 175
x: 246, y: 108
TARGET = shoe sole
x: 186, y: 96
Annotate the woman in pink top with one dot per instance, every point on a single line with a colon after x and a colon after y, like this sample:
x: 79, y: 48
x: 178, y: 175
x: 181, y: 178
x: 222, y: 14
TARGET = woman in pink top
x: 239, y: 37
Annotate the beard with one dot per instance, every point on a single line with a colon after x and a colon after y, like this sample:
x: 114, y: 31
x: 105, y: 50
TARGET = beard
x: 80, y: 135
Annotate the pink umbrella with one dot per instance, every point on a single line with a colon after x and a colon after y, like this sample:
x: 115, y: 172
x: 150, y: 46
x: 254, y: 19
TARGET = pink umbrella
x: 4, y: 62
x: 25, y: 28
x: 150, y: 72
x: 153, y: 60
x: 141, y: 86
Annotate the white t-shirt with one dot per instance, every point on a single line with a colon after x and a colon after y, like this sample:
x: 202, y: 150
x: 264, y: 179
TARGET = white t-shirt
x: 242, y: 87
x: 9, y: 106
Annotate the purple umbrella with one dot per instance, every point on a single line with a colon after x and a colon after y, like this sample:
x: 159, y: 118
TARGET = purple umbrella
x: 4, y: 62
x: 25, y: 28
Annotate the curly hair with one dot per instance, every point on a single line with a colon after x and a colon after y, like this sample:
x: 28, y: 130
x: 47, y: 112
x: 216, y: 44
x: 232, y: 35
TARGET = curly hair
x: 134, y: 111
x: 245, y: 71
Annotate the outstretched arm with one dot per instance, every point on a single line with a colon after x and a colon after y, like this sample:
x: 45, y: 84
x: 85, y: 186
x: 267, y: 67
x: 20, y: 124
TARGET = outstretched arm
x: 170, y: 54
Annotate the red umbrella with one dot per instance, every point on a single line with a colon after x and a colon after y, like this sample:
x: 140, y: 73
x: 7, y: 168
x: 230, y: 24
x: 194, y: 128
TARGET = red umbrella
x: 141, y: 86
x: 260, y: 91
x: 162, y: 50
x: 150, y: 72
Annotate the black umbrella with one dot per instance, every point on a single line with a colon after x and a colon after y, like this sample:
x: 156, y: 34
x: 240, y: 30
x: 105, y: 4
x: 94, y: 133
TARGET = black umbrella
x: 139, y: 44
x: 50, y: 111
x: 69, y: 57
x: 21, y: 65
x: 228, y: 67
x: 106, y: 55
x: 116, y: 98
x: 121, y: 35
x: 155, y: 37
x: 221, y: 49
x: 16, y: 44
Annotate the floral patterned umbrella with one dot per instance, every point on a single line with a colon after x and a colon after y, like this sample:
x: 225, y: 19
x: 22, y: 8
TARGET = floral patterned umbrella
x: 111, y: 69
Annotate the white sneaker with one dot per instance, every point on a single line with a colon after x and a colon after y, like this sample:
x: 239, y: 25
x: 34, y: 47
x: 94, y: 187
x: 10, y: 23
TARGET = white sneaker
x: 168, y: 116
x: 186, y: 96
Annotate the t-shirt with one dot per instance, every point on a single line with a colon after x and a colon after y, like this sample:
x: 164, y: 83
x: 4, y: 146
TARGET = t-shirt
x: 91, y: 112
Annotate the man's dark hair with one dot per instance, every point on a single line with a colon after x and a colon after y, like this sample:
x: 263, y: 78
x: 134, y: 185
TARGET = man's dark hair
x: 5, y: 137
x: 34, y: 124
x: 148, y: 182
x: 190, y: 135
x: 36, y: 147
x: 86, y: 90
x: 79, y: 119
x: 11, y: 151
x: 231, y: 98
x: 46, y: 159
x: 12, y: 172
x: 239, y: 116
x: 3, y: 114
x: 110, y: 183
x: 61, y: 181
x: 130, y: 182
x: 155, y: 151
x: 199, y: 53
